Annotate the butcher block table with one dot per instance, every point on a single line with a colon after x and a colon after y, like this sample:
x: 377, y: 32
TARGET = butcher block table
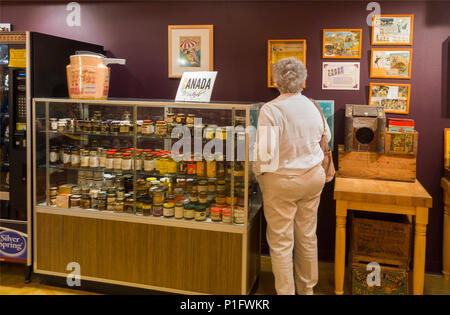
x: 383, y: 196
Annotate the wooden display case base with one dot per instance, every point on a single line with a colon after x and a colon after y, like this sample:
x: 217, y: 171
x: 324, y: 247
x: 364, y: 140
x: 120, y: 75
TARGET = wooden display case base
x: 156, y: 257
x: 371, y: 165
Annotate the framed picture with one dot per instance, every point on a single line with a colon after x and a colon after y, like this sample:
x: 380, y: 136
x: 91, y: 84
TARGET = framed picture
x: 342, y: 43
x: 391, y: 63
x: 328, y: 112
x: 340, y: 75
x: 447, y: 147
x: 394, y: 98
x: 190, y: 49
x: 284, y: 48
x: 5, y: 27
x: 392, y: 29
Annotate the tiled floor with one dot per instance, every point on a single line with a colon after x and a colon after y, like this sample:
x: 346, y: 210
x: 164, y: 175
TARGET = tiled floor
x: 12, y: 282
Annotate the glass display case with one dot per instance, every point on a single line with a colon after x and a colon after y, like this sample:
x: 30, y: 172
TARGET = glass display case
x: 180, y: 172
x: 153, y: 159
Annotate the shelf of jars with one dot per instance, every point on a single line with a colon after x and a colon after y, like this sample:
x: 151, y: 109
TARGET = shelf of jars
x: 178, y: 220
x: 145, y: 129
x: 165, y: 186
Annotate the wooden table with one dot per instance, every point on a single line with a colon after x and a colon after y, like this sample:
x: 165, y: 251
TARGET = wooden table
x: 409, y: 198
x: 445, y: 184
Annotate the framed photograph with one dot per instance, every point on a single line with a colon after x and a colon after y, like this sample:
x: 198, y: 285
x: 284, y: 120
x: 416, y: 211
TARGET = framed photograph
x: 342, y: 43
x: 328, y: 112
x: 394, y: 98
x: 392, y: 29
x: 391, y: 63
x: 340, y: 75
x: 190, y: 49
x: 279, y: 49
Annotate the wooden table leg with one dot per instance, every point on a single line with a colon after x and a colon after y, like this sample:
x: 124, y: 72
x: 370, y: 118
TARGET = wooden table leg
x: 420, y: 240
x: 339, y: 263
x: 446, y: 245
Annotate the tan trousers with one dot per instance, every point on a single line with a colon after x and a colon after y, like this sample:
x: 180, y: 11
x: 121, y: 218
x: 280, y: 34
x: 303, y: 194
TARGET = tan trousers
x: 290, y: 208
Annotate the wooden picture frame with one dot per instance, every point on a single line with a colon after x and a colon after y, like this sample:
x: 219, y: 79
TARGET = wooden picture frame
x: 288, y: 48
x: 191, y: 48
x: 340, y: 35
x: 447, y: 147
x: 384, y: 34
x: 381, y: 60
x: 382, y: 94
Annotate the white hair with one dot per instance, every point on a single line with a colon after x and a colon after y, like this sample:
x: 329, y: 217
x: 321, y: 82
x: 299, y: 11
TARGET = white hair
x: 289, y: 75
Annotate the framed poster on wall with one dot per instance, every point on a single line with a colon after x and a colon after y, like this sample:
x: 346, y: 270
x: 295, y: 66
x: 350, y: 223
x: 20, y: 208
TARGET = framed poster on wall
x: 340, y: 75
x: 328, y: 112
x: 392, y: 29
x: 391, y: 63
x: 279, y: 49
x: 447, y: 147
x: 394, y: 98
x: 342, y: 43
x: 191, y: 48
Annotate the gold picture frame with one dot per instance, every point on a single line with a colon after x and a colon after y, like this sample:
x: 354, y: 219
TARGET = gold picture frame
x: 392, y: 29
x: 335, y: 43
x: 390, y: 63
x: 191, y: 48
x: 284, y: 48
x: 393, y: 97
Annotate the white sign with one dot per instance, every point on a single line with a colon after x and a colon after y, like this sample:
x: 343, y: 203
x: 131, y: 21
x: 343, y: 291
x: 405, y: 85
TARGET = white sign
x: 5, y: 27
x: 340, y: 75
x: 196, y: 86
x: 392, y: 93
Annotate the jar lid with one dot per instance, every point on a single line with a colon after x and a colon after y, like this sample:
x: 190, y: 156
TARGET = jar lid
x: 200, y: 208
x: 169, y: 205
x: 75, y: 197
x: 126, y: 154
x: 216, y: 210
x: 226, y: 211
x: 179, y: 204
x: 160, y: 122
x: 86, y: 196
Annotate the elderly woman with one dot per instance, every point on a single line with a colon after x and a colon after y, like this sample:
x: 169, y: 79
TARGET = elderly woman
x: 290, y: 128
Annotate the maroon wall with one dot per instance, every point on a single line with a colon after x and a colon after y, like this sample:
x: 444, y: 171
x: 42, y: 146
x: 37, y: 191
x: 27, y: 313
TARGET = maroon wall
x: 138, y: 32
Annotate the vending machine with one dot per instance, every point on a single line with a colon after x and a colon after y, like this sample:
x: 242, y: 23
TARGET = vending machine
x: 31, y: 65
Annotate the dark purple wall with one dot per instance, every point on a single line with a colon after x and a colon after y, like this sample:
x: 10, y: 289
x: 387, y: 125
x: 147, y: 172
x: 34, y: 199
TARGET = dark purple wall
x: 138, y: 32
